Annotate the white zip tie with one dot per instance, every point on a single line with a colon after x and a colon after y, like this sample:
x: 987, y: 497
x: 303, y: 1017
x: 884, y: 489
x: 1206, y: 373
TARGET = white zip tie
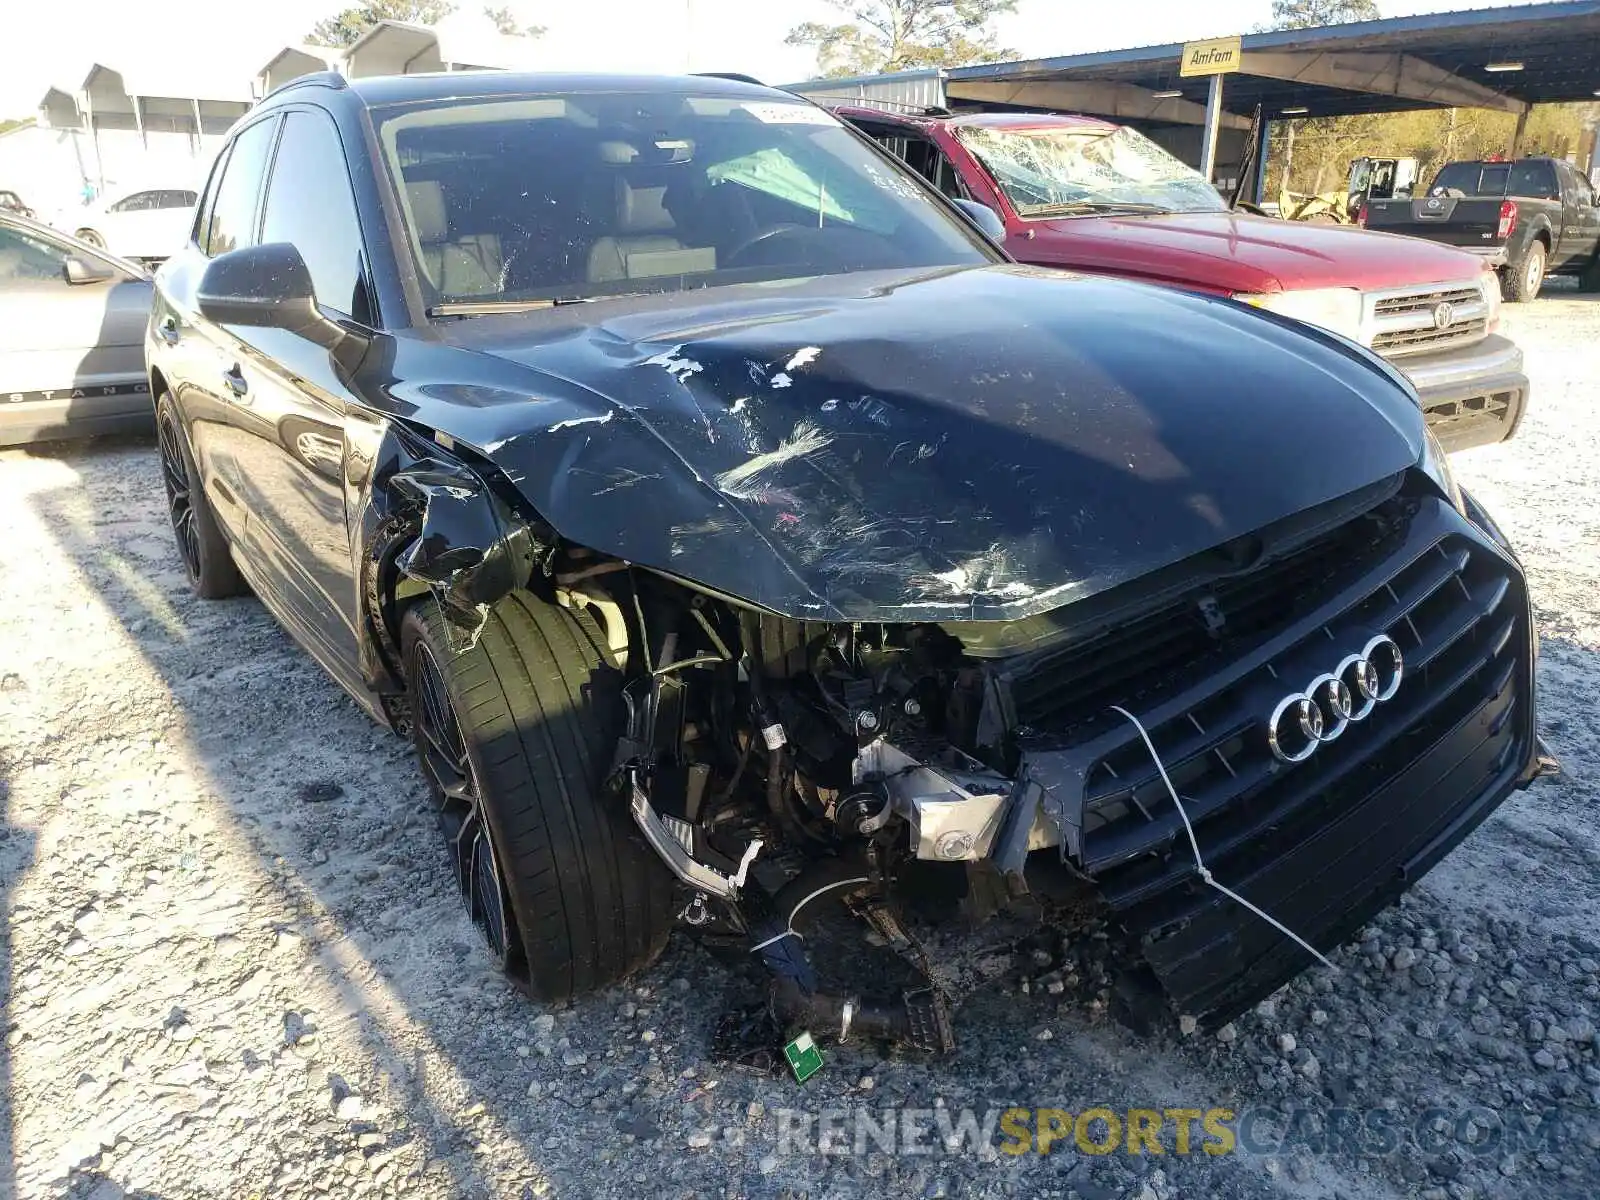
x: 789, y: 920
x: 1205, y: 872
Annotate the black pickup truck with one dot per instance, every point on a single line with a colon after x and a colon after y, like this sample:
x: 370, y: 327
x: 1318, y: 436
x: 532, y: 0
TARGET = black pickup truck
x: 1530, y: 218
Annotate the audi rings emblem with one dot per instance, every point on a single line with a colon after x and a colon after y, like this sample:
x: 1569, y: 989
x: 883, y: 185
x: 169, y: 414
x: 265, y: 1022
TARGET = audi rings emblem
x: 1334, y: 701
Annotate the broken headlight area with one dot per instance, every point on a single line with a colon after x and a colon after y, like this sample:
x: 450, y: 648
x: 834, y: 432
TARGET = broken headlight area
x: 908, y: 773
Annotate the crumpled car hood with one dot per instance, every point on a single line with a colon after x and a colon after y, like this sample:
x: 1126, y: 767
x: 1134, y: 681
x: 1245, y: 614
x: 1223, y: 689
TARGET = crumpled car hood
x: 982, y: 443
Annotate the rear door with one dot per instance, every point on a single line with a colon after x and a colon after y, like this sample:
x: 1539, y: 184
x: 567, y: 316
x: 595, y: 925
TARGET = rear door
x: 173, y: 217
x: 59, y: 338
x: 133, y: 225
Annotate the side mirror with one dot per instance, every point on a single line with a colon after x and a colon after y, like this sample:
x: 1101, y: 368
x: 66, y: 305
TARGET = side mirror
x: 984, y: 217
x: 78, y: 270
x: 266, y: 287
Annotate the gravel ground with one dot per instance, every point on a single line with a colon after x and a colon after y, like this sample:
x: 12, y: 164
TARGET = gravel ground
x: 232, y: 962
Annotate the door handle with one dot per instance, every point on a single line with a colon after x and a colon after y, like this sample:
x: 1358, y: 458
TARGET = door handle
x: 168, y: 329
x: 235, y: 380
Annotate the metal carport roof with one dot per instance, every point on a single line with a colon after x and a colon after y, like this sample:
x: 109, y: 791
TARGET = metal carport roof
x: 1431, y: 61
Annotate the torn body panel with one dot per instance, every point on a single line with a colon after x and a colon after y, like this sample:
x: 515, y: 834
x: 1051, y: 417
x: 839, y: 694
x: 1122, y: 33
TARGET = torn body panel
x: 422, y: 514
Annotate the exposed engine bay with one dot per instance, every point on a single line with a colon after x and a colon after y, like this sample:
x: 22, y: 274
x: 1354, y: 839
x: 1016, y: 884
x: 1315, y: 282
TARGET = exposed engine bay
x: 782, y: 768
x: 834, y: 753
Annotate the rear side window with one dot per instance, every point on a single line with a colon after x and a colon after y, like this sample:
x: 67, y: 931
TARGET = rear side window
x: 309, y: 205
x: 927, y: 160
x: 1472, y: 179
x: 29, y: 259
x: 1534, y: 179
x: 138, y: 202
x: 233, y: 213
x: 177, y: 200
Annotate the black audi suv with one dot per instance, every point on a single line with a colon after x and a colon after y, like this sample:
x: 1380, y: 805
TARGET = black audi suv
x: 737, y: 533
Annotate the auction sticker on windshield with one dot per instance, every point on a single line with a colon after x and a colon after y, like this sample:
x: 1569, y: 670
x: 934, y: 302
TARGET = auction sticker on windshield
x: 788, y: 114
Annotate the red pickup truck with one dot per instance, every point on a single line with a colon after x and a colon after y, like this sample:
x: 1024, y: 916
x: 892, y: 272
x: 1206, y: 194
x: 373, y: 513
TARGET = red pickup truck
x: 1084, y: 194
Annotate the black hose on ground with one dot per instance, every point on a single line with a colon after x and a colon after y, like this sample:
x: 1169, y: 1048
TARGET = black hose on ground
x: 919, y: 1018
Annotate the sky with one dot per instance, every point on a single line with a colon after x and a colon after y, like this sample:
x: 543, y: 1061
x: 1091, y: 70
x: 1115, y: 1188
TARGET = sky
x: 55, y: 42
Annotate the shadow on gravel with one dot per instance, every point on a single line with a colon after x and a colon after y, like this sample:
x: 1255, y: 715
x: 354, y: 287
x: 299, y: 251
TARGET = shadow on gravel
x: 246, y: 744
x: 336, y: 812
x: 16, y: 856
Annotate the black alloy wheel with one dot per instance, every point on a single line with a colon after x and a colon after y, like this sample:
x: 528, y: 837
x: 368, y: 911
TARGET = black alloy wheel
x: 180, y: 502
x: 456, y: 793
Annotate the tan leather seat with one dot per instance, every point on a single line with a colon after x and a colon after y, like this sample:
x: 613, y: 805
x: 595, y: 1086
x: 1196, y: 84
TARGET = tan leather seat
x: 642, y: 227
x: 467, y: 266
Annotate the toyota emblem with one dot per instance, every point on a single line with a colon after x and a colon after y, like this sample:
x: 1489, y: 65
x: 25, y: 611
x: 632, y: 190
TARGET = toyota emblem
x: 1443, y: 314
x: 1334, y: 701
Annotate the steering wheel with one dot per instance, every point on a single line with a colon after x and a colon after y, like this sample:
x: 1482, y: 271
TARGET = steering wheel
x: 766, y: 235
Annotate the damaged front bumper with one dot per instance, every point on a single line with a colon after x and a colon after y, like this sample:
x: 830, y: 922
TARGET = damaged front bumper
x: 1474, y: 396
x: 1324, y: 843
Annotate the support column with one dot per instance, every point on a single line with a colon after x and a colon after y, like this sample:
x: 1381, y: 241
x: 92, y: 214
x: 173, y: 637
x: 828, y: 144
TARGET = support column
x: 1516, y: 136
x: 94, y: 140
x: 1263, y: 145
x: 1208, y: 147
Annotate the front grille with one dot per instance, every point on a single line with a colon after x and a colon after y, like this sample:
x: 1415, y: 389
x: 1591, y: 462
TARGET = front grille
x: 1425, y: 301
x: 1452, y: 614
x: 1138, y: 660
x: 1402, y: 322
x: 1324, y: 843
x: 1411, y: 341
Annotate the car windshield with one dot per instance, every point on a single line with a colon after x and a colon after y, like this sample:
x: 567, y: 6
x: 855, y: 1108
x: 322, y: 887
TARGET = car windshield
x: 1046, y: 170
x: 529, y: 199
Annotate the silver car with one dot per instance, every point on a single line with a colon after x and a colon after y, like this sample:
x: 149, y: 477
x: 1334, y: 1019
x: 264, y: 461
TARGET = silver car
x: 72, y: 323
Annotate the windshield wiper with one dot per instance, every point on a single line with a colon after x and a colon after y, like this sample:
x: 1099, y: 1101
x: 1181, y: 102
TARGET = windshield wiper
x: 489, y: 308
x: 1080, y: 207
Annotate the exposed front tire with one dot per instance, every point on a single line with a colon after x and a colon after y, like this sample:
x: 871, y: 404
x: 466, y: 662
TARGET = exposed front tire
x: 201, y: 544
x: 90, y: 238
x: 516, y: 736
x: 1524, y: 277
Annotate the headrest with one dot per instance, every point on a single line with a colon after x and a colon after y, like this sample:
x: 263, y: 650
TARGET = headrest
x: 618, y: 153
x: 639, y: 210
x: 428, y: 217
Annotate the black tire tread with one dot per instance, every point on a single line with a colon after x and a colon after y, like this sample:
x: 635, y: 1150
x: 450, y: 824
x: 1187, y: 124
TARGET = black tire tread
x: 1515, y: 284
x: 219, y: 576
x: 539, y: 710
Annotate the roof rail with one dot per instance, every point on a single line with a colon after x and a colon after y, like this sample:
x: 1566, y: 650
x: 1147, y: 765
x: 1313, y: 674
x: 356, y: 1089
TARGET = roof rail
x: 733, y: 75
x: 894, y: 107
x: 331, y: 79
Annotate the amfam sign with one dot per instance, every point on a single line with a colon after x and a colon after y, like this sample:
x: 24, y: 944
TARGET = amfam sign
x: 1215, y: 57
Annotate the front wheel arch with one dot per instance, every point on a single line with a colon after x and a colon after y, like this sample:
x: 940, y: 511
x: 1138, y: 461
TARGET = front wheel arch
x: 158, y: 387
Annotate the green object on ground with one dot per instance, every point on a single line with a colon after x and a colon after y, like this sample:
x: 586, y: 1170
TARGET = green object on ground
x: 805, y: 1059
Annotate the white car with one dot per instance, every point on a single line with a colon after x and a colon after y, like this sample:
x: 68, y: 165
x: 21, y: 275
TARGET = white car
x: 72, y: 329
x: 146, y: 225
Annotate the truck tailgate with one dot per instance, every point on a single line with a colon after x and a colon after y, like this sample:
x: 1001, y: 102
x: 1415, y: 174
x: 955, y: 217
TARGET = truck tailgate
x: 1471, y: 222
